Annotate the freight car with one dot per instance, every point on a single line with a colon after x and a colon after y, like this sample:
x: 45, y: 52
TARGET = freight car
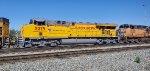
x: 41, y: 32
x: 4, y: 31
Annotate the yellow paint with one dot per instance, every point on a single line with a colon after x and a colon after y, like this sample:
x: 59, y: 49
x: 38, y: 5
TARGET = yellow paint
x: 30, y: 31
x: 5, y: 29
x: 60, y: 31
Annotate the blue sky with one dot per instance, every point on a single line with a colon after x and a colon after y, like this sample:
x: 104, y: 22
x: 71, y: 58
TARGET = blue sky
x: 104, y: 11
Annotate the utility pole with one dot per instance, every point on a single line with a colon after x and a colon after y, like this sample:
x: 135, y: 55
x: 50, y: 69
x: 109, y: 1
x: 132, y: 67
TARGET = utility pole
x: 145, y: 11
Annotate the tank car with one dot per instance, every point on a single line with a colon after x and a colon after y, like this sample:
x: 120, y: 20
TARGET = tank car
x: 42, y: 32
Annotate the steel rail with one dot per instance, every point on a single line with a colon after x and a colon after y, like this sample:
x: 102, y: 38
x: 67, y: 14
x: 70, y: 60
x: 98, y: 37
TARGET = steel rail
x: 64, y: 53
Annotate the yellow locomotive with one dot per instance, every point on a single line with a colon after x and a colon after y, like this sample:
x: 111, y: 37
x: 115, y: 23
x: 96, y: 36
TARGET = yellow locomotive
x: 134, y: 33
x: 148, y: 32
x: 4, y: 31
x: 41, y: 32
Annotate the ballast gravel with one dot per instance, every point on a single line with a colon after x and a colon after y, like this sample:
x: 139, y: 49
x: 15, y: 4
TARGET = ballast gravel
x: 64, y: 50
x: 114, y: 61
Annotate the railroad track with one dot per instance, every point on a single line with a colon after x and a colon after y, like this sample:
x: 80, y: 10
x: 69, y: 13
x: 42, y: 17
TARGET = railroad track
x: 35, y: 49
x: 70, y: 52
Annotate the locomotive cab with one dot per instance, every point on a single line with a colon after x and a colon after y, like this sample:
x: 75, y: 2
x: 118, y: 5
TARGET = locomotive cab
x: 41, y: 32
x: 147, y: 32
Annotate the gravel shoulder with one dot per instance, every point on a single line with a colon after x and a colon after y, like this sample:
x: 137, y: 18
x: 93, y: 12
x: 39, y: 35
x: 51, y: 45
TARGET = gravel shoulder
x: 115, y: 61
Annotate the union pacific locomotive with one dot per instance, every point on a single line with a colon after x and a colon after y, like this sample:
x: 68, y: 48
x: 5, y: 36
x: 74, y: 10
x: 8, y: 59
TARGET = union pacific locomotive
x: 4, y: 31
x: 42, y: 32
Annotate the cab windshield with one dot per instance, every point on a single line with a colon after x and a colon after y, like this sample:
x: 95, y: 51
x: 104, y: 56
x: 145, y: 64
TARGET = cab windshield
x: 37, y: 22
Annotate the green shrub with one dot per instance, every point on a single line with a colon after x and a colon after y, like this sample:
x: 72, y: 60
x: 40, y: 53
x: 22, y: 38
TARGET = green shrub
x: 137, y: 59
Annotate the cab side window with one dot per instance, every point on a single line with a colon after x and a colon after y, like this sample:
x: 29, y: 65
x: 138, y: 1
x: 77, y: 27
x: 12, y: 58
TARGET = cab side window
x: 58, y: 22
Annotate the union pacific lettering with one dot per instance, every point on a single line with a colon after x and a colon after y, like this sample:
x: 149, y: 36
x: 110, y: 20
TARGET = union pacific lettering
x: 87, y: 28
x: 40, y: 28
